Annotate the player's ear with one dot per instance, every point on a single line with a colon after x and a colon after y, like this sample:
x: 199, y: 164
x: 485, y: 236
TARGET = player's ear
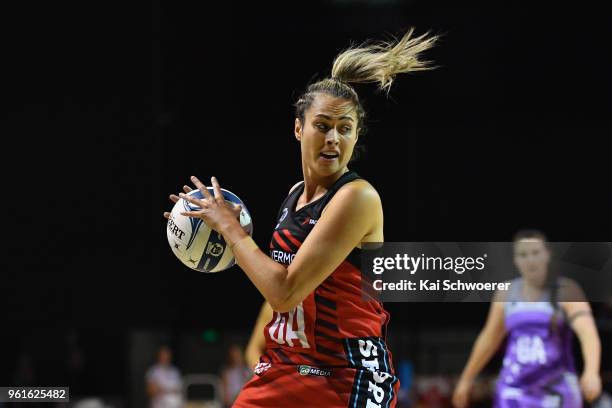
x: 298, y: 129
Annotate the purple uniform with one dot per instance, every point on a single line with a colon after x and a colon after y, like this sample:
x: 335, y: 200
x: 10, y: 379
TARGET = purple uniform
x: 538, y: 369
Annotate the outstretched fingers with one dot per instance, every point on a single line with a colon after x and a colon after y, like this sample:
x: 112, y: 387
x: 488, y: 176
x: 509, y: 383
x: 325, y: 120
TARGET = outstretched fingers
x: 174, y: 198
x: 196, y: 182
x: 217, y: 188
x: 193, y: 200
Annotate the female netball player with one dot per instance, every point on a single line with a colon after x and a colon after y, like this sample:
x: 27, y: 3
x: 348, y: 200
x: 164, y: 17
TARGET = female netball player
x: 325, y: 344
x: 538, y: 368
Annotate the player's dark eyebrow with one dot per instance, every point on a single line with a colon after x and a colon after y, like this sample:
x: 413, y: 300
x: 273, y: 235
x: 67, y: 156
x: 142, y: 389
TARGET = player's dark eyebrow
x: 329, y: 118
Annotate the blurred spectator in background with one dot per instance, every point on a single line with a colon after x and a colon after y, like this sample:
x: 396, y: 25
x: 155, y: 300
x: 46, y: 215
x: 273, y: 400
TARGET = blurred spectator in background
x: 406, y: 395
x: 233, y: 375
x: 433, y: 392
x: 164, y: 383
x: 92, y: 402
x: 74, y: 360
x: 27, y: 374
x: 24, y: 372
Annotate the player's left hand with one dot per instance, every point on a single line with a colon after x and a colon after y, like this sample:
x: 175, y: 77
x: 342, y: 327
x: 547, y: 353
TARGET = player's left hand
x: 217, y: 213
x: 590, y: 383
x: 461, y: 395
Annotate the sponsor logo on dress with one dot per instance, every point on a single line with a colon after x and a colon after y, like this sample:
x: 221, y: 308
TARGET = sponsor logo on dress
x: 309, y: 221
x: 284, y: 214
x: 261, y: 368
x: 379, y: 390
x: 282, y: 217
x: 308, y: 370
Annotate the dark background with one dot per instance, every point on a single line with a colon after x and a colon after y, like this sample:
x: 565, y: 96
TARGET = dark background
x: 110, y: 107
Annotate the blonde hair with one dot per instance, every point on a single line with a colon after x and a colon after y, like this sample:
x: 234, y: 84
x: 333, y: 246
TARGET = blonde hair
x: 368, y: 63
x: 382, y: 61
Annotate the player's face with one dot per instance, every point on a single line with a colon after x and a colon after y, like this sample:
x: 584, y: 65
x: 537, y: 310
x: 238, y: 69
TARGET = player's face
x: 165, y: 356
x: 328, y: 134
x: 532, y: 257
x: 235, y: 356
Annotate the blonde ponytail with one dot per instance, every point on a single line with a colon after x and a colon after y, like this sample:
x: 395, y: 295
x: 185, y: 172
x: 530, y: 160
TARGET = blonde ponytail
x: 381, y: 61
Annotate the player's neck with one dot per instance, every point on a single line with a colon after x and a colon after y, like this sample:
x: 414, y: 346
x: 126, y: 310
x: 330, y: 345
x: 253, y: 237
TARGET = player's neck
x: 532, y: 291
x: 316, y: 185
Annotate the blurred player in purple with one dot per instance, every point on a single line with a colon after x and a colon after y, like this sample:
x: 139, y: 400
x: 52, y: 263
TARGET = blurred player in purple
x: 538, y: 367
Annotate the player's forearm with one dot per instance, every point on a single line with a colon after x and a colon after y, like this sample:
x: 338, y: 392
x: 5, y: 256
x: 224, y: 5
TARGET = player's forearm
x: 483, y: 350
x: 268, y: 276
x: 591, y: 347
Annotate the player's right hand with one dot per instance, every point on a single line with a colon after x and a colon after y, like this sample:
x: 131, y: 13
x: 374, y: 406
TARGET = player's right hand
x: 591, y: 385
x: 461, y: 396
x: 218, y: 213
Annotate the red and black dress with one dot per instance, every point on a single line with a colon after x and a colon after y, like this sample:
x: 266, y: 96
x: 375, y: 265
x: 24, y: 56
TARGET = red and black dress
x: 329, y: 351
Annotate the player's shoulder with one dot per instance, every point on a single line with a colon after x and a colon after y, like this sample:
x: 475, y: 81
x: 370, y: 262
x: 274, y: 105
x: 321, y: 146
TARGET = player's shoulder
x: 359, y: 189
x: 357, y: 197
x: 501, y: 295
x: 569, y: 290
x: 564, y: 281
x: 296, y: 185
